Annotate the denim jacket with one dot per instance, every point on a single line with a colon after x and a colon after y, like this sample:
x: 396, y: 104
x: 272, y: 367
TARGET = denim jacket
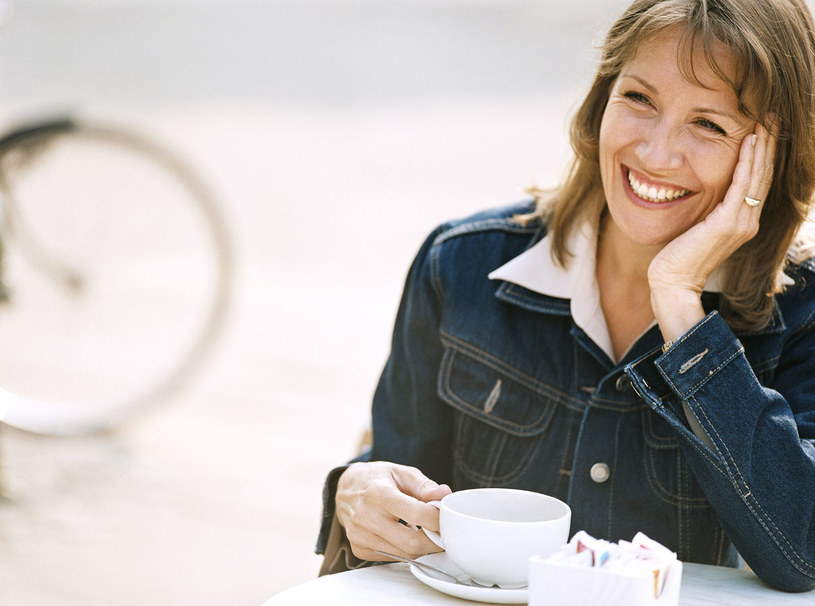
x: 491, y: 384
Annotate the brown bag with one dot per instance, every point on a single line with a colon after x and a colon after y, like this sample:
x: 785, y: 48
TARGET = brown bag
x: 338, y: 555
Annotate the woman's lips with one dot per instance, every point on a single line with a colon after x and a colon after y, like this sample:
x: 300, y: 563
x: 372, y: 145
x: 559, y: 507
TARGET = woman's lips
x: 652, y: 192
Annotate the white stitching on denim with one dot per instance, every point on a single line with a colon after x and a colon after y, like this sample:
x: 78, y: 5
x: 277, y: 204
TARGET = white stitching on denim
x: 651, y: 436
x: 490, y: 476
x: 495, y: 224
x: 703, y: 452
x: 662, y: 492
x: 761, y: 521
x: 539, y: 425
x: 767, y: 522
x: 719, y: 443
x: 565, y: 473
x: 713, y: 462
x: 764, y: 519
x: 681, y: 522
x: 435, y: 273
x: 705, y: 378
x: 803, y: 565
x: 534, y: 303
x: 485, y: 477
x: 754, y: 506
x: 524, y: 379
x: 492, y: 399
x: 614, y: 465
x: 693, y: 361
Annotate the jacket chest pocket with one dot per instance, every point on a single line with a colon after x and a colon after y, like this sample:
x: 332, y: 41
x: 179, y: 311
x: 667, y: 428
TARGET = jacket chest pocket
x: 502, y: 422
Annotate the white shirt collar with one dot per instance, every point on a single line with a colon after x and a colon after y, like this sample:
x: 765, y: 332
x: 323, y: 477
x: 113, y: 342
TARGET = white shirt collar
x: 536, y: 270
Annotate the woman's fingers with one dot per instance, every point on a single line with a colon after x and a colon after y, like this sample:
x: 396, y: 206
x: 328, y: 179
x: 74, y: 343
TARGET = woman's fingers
x: 415, y: 490
x: 753, y: 175
x: 743, y: 174
x: 737, y: 218
x: 757, y: 187
x: 382, y: 505
x: 761, y: 177
x: 390, y: 536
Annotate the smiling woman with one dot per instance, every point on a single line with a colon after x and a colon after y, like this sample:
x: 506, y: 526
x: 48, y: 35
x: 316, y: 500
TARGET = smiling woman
x: 668, y: 147
x: 758, y: 57
x: 638, y: 342
x: 660, y: 148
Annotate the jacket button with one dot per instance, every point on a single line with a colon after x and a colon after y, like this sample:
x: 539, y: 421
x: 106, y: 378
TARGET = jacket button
x: 599, y: 472
x: 623, y: 383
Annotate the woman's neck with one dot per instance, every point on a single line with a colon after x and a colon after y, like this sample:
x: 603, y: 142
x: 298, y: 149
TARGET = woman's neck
x: 622, y: 278
x: 626, y: 259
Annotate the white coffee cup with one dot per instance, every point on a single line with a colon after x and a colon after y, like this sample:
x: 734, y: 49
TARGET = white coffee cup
x: 490, y: 533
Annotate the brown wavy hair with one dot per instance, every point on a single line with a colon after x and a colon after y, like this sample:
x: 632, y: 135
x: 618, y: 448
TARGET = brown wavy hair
x: 772, y: 43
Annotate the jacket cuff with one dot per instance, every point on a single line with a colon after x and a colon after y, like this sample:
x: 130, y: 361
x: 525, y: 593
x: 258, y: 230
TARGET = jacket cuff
x: 667, y: 380
x: 699, y: 355
x: 693, y: 360
x: 329, y: 493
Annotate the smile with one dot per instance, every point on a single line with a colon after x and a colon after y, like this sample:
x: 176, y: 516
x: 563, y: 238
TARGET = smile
x: 652, y: 193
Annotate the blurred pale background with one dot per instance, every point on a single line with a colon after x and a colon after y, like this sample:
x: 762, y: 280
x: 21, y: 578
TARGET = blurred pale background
x: 336, y: 133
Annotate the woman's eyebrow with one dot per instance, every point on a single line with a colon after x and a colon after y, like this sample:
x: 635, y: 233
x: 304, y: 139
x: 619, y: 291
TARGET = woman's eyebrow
x: 737, y: 118
x: 641, y: 81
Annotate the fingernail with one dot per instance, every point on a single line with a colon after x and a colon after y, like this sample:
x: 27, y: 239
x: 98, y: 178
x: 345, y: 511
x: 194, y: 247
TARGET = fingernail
x: 753, y: 139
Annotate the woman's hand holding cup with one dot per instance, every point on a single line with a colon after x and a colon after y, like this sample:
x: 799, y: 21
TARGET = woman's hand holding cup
x: 381, y: 507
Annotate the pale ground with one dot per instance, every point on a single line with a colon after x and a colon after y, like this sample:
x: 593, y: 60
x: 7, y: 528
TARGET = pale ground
x: 215, y: 498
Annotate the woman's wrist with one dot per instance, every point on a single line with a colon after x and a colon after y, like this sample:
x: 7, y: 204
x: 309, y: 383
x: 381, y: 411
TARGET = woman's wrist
x: 676, y: 311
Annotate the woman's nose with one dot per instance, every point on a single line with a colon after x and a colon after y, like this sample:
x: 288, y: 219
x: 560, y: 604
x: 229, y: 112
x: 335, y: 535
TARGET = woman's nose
x: 659, y: 148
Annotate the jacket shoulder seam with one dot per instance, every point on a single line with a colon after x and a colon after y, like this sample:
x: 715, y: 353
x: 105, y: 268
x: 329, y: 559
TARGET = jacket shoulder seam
x: 483, y: 225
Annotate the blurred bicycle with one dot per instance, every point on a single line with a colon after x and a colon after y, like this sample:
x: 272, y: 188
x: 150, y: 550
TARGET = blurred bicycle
x: 115, y: 273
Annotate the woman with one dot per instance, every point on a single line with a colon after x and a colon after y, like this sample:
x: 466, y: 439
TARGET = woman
x: 641, y: 342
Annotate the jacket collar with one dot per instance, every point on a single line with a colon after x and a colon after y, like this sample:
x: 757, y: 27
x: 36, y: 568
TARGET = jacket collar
x: 535, y: 270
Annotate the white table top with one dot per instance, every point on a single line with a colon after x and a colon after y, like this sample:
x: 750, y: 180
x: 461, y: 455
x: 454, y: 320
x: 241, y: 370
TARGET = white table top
x: 393, y: 584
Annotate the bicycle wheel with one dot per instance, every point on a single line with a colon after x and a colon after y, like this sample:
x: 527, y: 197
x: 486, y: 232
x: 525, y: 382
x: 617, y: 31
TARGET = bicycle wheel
x: 117, y: 270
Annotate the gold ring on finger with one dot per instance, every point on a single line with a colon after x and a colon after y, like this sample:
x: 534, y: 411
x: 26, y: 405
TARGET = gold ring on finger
x: 751, y: 201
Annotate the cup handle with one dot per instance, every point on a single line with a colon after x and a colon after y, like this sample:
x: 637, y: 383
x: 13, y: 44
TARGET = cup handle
x: 434, y: 536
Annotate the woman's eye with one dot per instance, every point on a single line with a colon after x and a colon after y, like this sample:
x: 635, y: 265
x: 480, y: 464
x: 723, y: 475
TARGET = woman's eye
x: 637, y: 97
x: 711, y: 126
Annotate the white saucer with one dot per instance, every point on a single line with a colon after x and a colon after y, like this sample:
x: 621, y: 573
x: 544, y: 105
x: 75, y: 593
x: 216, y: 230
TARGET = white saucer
x: 495, y: 595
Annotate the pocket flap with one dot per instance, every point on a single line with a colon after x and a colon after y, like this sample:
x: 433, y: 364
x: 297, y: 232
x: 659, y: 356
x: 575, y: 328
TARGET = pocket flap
x: 495, y: 393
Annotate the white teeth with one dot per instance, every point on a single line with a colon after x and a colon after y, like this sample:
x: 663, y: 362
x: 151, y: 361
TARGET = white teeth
x: 652, y: 194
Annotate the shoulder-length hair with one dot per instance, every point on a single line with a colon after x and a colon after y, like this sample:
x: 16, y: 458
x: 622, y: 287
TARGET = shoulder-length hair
x: 772, y: 44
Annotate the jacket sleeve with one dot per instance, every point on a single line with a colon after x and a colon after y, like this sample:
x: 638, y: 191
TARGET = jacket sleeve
x: 410, y: 424
x: 756, y: 459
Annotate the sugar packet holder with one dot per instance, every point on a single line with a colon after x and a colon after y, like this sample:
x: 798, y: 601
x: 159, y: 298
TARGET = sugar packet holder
x: 589, y: 572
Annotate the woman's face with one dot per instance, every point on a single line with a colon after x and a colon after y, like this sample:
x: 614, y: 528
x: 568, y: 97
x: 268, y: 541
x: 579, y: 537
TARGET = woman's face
x: 668, y: 146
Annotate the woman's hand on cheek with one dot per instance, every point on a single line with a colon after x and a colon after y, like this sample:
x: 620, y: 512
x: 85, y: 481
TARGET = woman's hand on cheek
x: 678, y: 274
